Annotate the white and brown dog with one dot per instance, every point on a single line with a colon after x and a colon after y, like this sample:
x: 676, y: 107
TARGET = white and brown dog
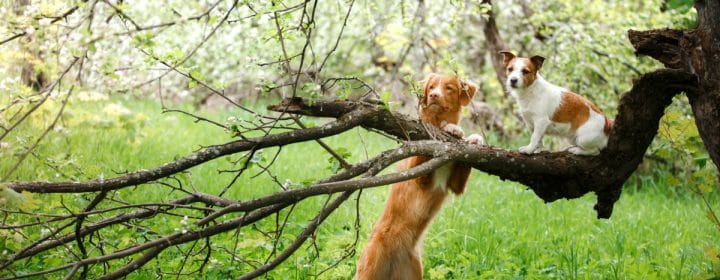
x: 393, y: 251
x: 547, y: 108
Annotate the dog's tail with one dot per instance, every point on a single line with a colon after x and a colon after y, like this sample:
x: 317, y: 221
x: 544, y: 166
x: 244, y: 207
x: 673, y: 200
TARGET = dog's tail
x: 608, y: 125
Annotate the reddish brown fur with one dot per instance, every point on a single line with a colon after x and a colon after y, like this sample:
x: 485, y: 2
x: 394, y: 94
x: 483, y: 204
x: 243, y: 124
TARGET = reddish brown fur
x: 529, y: 73
x: 574, y: 110
x: 532, y: 66
x: 393, y: 251
x: 608, y: 125
x: 456, y: 93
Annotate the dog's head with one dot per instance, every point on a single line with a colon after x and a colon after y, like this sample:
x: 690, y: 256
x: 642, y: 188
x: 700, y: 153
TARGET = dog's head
x: 444, y: 96
x: 521, y: 71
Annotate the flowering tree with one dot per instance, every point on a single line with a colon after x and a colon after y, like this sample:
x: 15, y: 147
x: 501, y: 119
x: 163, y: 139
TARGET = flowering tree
x: 292, y: 50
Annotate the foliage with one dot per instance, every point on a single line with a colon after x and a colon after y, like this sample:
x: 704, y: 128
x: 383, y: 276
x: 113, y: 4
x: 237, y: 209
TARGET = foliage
x: 496, y: 230
x: 120, y: 63
x: 584, y: 43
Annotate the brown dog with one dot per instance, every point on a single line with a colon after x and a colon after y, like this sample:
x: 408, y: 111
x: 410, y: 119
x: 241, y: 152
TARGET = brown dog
x: 393, y: 251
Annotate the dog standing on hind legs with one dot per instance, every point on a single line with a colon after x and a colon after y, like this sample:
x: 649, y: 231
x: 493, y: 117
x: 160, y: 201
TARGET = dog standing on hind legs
x: 395, y: 245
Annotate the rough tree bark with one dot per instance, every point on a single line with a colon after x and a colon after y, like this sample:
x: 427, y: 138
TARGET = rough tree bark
x: 550, y: 175
x: 696, y: 51
x: 693, y: 55
x: 494, y: 43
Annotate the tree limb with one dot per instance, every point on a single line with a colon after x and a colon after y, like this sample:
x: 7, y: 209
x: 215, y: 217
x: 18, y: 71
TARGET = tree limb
x: 696, y: 51
x: 139, y: 177
x: 551, y: 175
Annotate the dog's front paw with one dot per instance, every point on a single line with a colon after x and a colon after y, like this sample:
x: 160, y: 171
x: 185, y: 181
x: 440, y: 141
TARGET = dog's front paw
x: 454, y: 129
x: 475, y: 139
x: 529, y: 149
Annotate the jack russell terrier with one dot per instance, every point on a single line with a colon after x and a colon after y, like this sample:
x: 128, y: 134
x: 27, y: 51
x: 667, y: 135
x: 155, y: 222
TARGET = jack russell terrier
x: 547, y: 108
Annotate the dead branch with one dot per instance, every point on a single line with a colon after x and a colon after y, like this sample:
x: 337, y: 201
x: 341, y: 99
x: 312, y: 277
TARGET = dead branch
x: 139, y: 177
x: 551, y: 175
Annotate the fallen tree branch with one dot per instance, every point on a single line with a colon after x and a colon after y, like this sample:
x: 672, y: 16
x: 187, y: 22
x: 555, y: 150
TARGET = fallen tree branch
x: 300, y: 240
x: 139, y: 177
x: 550, y: 175
x: 165, y: 242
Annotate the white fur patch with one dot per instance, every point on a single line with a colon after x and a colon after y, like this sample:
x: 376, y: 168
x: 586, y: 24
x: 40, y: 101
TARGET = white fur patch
x: 518, y: 65
x: 437, y: 90
x: 441, y: 176
x: 590, y: 137
x: 475, y: 139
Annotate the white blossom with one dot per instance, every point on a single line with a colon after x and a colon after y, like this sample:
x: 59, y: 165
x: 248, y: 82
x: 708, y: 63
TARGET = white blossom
x: 30, y: 30
x: 45, y: 21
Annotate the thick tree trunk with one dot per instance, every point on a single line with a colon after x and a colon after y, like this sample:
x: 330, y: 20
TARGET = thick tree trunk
x: 551, y: 175
x: 706, y: 62
x: 494, y: 44
x: 696, y: 51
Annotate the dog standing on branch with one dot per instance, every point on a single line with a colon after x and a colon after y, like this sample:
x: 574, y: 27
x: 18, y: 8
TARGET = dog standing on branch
x: 394, y: 249
x: 547, y: 108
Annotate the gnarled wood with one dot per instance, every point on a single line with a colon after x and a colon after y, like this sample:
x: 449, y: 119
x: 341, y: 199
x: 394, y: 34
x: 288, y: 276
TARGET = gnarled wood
x: 705, y: 57
x: 551, y: 175
x: 697, y: 51
x: 661, y: 44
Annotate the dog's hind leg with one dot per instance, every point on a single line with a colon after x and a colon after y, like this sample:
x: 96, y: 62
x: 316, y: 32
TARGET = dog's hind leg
x: 409, y: 268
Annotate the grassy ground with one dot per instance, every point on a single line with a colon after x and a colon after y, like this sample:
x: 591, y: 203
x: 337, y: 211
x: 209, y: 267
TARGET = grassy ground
x: 497, y: 230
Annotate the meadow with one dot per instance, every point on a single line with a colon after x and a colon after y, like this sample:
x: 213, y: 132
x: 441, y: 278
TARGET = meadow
x: 496, y: 230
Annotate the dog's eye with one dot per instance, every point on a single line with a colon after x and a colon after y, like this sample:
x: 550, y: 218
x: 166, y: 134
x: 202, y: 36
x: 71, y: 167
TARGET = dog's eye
x: 525, y: 71
x: 510, y: 69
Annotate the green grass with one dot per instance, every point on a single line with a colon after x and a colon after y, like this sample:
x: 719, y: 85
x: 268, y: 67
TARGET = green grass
x: 497, y: 230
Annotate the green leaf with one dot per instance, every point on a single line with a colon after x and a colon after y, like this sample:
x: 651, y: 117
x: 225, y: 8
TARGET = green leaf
x: 11, y: 199
x: 258, y: 157
x: 144, y: 39
x: 175, y: 55
x: 671, y: 180
x: 385, y: 98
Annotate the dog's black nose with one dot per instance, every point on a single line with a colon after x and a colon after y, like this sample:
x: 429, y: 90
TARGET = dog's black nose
x: 513, y: 81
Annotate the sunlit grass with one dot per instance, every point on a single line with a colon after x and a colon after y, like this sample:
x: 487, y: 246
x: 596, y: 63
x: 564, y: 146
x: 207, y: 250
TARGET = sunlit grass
x: 497, y: 230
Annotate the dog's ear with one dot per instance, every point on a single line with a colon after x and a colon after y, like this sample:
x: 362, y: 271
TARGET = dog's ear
x: 507, y: 57
x: 468, y: 91
x: 538, y: 61
x: 424, y: 85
